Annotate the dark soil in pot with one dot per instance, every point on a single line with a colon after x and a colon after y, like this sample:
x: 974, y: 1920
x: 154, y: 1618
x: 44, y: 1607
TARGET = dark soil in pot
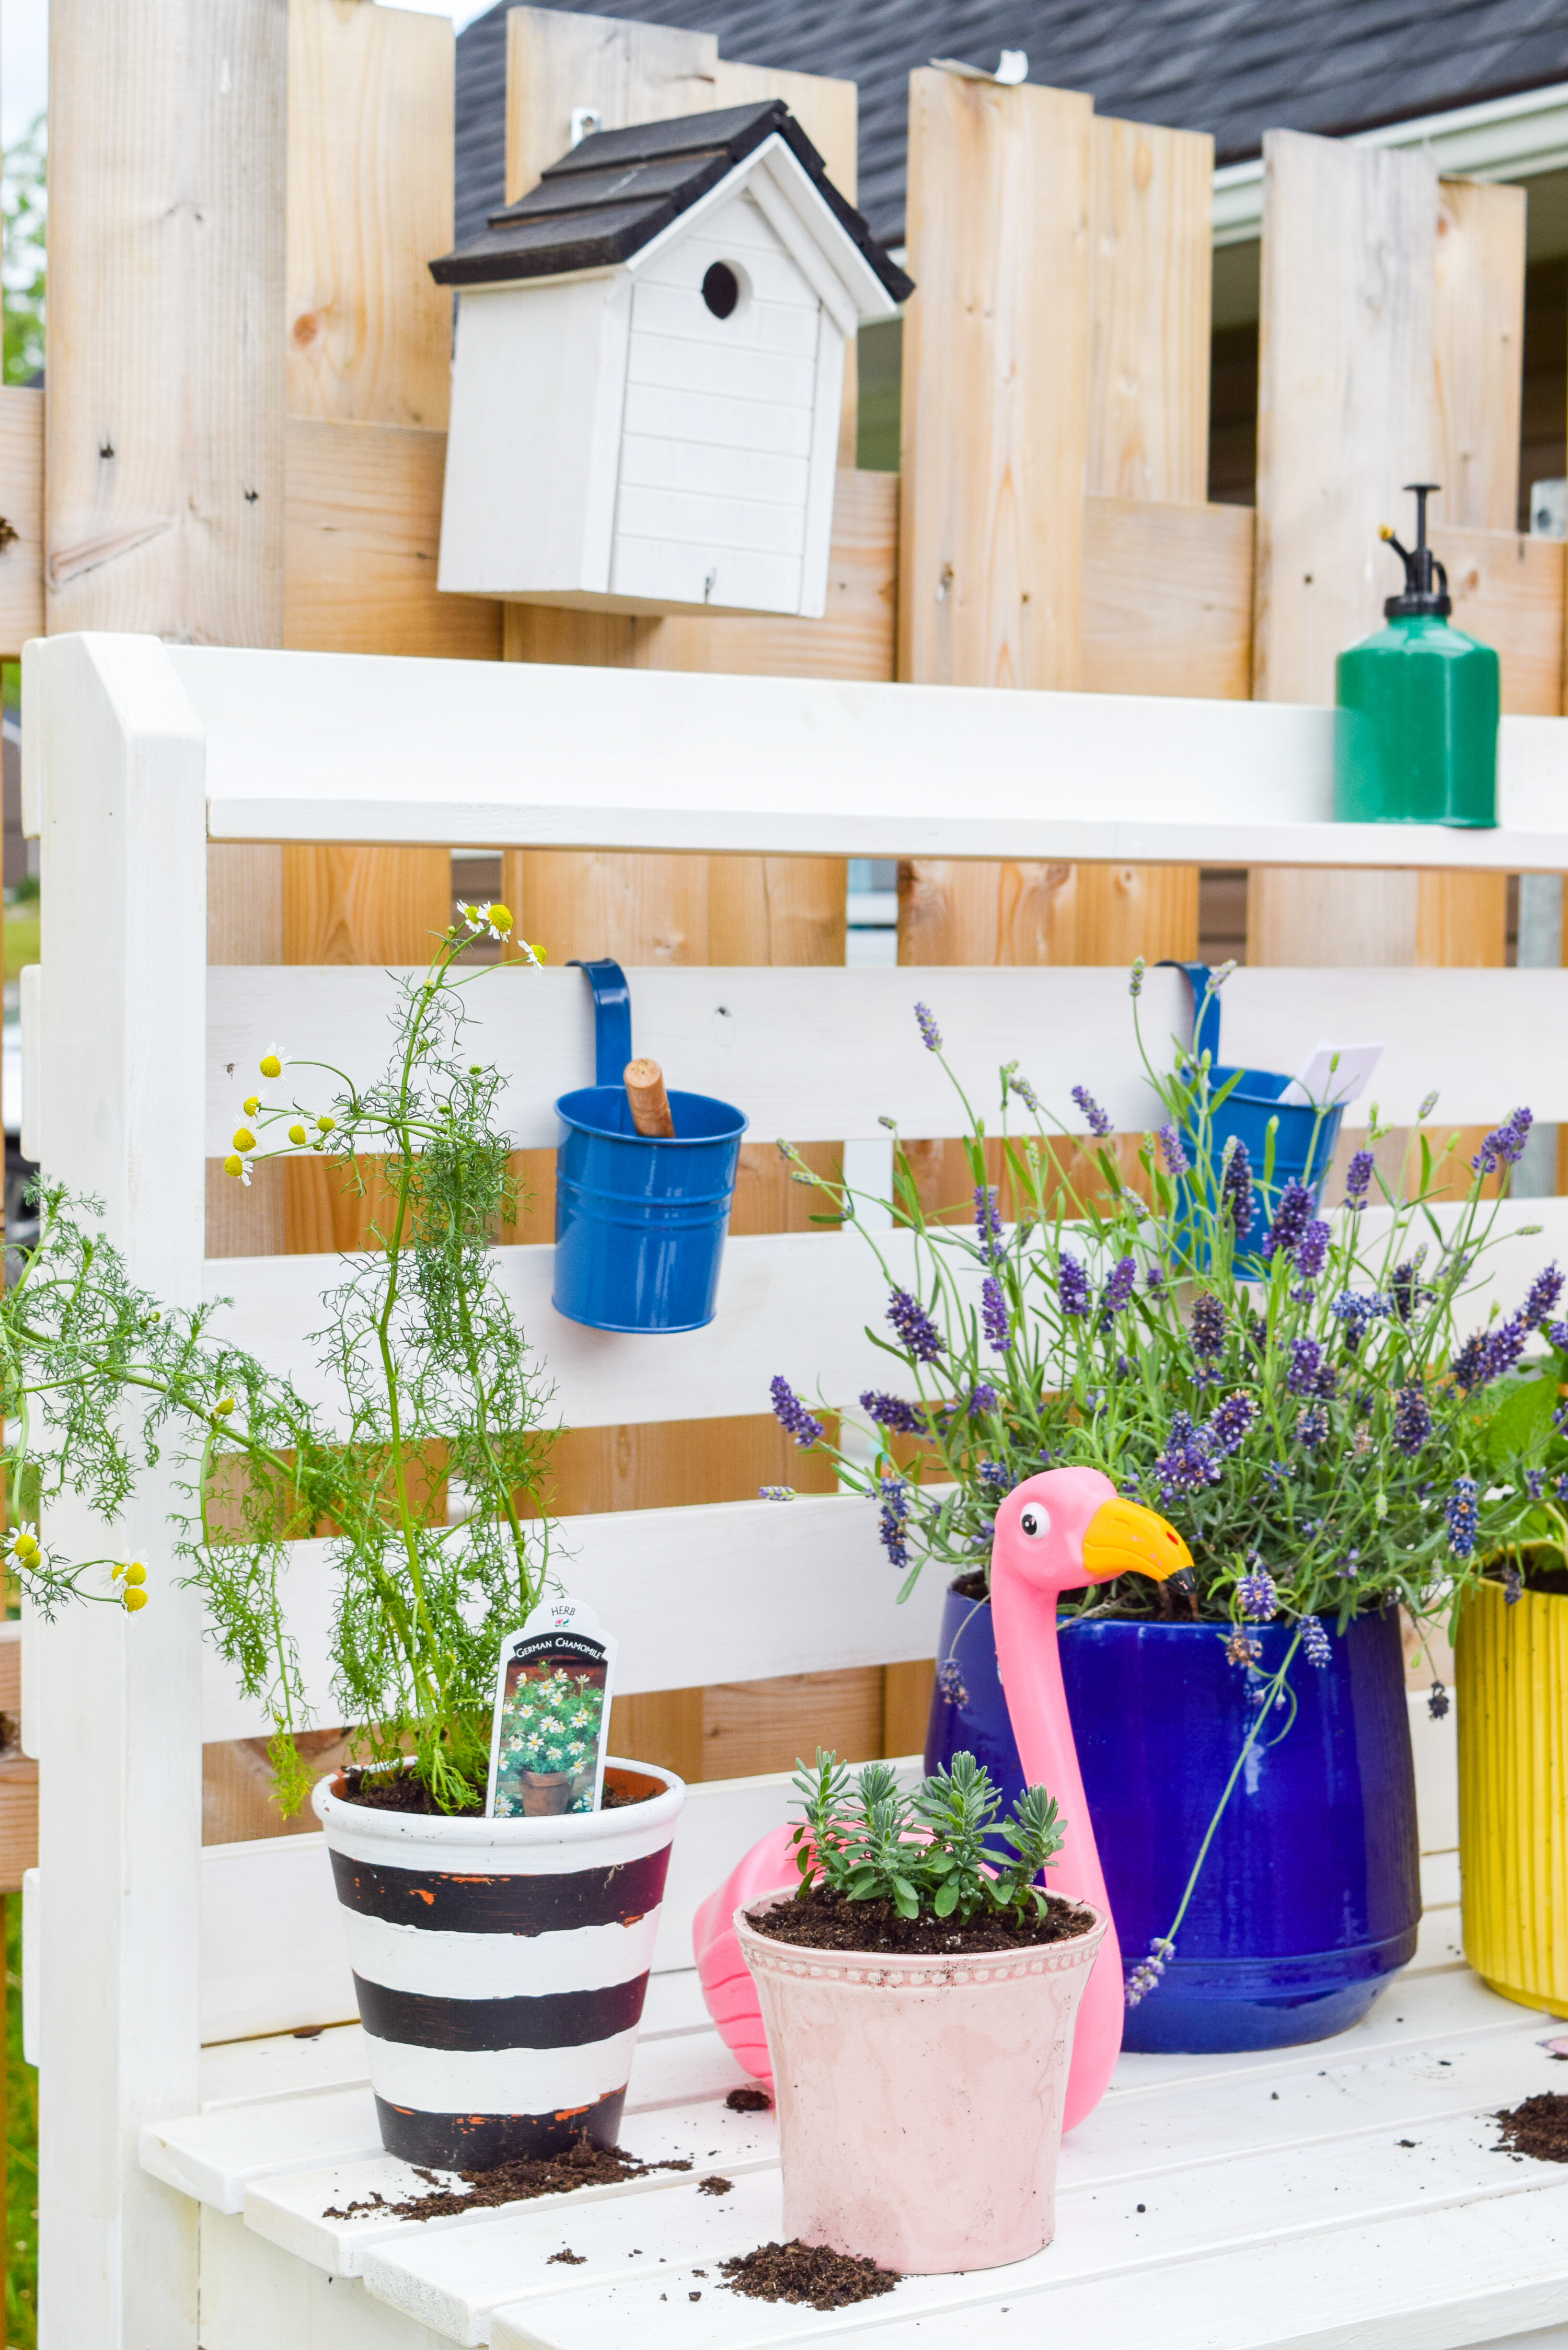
x: 584, y: 2164
x: 1538, y: 2126
x: 809, y: 2273
x: 825, y: 1920
x: 380, y: 1790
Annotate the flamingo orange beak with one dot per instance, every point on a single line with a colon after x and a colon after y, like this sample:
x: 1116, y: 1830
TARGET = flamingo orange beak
x: 1123, y: 1538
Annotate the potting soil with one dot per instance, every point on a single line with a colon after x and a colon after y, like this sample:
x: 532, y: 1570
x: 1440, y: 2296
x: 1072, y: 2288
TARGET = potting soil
x: 809, y: 2273
x: 1538, y: 2126
x: 400, y: 1791
x: 520, y: 2182
x: 823, y: 1919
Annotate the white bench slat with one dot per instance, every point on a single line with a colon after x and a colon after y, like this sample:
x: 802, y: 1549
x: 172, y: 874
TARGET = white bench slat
x: 798, y: 1303
x: 492, y: 755
x: 823, y: 1054
x: 808, y: 1589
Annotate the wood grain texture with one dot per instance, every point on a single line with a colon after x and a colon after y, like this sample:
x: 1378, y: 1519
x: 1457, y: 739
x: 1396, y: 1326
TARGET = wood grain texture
x: 629, y: 72
x: 753, y: 1726
x: 1150, y: 307
x: 1345, y: 414
x: 996, y: 435
x: 18, y: 1820
x: 1478, y: 347
x: 371, y: 95
x: 1167, y: 598
x: 21, y: 515
x: 164, y: 384
x: 361, y: 539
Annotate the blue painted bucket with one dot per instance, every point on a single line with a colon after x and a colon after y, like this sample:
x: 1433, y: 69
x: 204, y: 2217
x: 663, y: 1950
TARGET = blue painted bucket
x: 1309, y: 1897
x: 639, y: 1220
x: 1304, y: 1138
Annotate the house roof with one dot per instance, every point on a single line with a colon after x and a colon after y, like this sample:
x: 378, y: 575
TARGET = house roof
x: 617, y: 190
x: 1234, y: 67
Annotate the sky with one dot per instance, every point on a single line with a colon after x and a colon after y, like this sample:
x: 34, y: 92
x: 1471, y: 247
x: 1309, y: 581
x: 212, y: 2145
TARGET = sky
x: 24, y: 53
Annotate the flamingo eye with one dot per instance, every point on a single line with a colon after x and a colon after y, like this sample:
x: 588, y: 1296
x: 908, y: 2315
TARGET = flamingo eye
x: 1034, y: 1522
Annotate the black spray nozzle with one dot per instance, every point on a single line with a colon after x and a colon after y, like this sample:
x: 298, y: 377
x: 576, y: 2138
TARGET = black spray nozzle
x: 1420, y: 564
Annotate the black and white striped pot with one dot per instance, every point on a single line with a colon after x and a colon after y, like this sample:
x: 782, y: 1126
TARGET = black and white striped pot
x: 501, y: 1965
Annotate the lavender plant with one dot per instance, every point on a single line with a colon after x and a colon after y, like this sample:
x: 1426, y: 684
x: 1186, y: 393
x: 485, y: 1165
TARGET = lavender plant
x: 430, y: 1378
x: 932, y: 1852
x: 1314, y: 1413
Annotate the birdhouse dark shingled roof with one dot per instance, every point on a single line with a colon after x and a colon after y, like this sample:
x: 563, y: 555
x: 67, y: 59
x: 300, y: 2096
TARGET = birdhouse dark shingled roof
x: 617, y: 190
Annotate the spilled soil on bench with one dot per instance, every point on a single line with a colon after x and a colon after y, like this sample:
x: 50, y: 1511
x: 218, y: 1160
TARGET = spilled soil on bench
x: 520, y: 2182
x: 823, y: 1919
x: 1538, y: 2126
x: 808, y: 2273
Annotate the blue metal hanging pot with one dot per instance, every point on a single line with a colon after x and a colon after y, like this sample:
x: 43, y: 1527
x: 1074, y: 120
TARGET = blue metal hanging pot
x: 1304, y: 1138
x: 640, y: 1218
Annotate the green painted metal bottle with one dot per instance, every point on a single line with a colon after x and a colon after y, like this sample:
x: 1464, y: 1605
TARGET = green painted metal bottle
x: 1415, y: 734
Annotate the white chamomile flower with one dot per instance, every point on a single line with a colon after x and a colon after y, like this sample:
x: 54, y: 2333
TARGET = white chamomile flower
x: 273, y: 1061
x: 237, y: 1166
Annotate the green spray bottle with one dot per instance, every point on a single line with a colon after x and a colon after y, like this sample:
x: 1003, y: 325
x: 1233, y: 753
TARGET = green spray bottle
x: 1415, y: 731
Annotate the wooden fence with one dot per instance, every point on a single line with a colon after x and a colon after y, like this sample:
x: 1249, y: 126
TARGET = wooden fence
x: 246, y: 402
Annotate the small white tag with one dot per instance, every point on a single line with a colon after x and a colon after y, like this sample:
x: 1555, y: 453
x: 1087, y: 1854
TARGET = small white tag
x: 552, y: 1714
x: 1337, y: 1074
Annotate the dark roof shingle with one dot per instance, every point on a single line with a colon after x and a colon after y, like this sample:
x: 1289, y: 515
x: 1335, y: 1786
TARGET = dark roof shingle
x: 1229, y: 66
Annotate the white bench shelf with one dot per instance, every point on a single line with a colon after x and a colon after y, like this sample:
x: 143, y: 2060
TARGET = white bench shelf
x: 1268, y: 2199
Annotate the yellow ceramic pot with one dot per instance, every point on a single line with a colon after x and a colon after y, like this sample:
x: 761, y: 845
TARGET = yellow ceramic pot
x: 1511, y: 1686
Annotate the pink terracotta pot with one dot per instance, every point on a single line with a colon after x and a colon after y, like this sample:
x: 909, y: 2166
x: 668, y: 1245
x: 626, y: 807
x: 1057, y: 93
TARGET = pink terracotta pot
x: 919, y: 2099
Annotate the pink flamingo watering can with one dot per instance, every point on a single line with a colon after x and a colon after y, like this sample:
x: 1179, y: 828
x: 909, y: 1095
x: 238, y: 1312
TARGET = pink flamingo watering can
x: 1058, y: 1532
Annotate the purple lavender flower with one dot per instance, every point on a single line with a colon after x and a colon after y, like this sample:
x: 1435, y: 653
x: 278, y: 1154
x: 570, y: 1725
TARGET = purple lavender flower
x: 1011, y: 1083
x: 1098, y: 1123
x: 793, y: 1416
x: 1513, y: 1585
x: 775, y: 1493
x: 1290, y: 1219
x: 996, y: 1474
x: 994, y: 1315
x: 1404, y: 1287
x: 1230, y: 1424
x: 1543, y: 1293
x: 914, y: 1329
x: 1504, y: 1345
x: 892, y: 1412
x: 1235, y: 1190
x: 1463, y: 1517
x: 1207, y: 1333
x: 1358, y: 1179
x: 1355, y: 1310
x: 1177, y: 1163
x: 1187, y: 1464
x: 1145, y: 1977
x: 1315, y: 1643
x: 930, y: 1034
x: 1118, y: 1288
x: 1312, y: 1249
x: 1557, y: 1332
x: 893, y: 1518
x: 1469, y: 1366
x: 1256, y: 1593
x: 1072, y: 1285
x: 1307, y: 1363
x: 949, y: 1680
x: 1135, y: 981
x: 1504, y: 1145
x: 988, y: 1222
x: 1429, y: 1103
x: 982, y: 1399
x: 1412, y: 1420
x: 1437, y: 1700
x: 1242, y: 1648
x: 1535, y: 1483
x: 1311, y: 1426
x: 1154, y: 1279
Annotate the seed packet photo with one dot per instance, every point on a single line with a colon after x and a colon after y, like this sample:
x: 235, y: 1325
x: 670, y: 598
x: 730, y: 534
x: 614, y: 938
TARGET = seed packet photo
x: 552, y: 1714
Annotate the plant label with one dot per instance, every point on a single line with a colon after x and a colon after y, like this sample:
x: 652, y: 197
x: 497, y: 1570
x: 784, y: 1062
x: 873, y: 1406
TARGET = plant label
x: 552, y: 1714
x: 1337, y: 1074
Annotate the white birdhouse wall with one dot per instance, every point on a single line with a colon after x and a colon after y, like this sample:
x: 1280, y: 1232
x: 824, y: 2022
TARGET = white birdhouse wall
x: 727, y: 417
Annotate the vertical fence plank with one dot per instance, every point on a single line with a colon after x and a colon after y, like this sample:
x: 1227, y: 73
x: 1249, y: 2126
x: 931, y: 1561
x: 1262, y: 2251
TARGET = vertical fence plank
x: 995, y: 446
x: 1478, y: 377
x: 371, y: 109
x: 1150, y: 297
x: 1344, y: 416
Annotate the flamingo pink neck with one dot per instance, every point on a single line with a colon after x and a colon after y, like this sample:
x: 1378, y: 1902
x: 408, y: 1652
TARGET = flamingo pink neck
x: 1025, y: 1619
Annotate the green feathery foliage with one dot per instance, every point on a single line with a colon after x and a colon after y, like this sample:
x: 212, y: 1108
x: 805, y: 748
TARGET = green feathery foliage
x: 430, y: 1377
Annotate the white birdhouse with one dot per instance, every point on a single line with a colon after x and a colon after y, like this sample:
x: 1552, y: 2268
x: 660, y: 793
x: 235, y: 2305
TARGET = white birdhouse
x: 648, y: 372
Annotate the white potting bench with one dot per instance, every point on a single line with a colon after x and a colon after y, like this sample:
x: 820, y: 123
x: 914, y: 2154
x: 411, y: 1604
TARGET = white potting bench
x: 203, y: 2094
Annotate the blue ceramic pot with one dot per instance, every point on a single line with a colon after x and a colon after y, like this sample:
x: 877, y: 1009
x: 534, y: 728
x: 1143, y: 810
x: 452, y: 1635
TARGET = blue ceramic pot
x: 1309, y: 1897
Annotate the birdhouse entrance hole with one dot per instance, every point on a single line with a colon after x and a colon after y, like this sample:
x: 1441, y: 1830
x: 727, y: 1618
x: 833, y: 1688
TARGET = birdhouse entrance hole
x: 722, y: 288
